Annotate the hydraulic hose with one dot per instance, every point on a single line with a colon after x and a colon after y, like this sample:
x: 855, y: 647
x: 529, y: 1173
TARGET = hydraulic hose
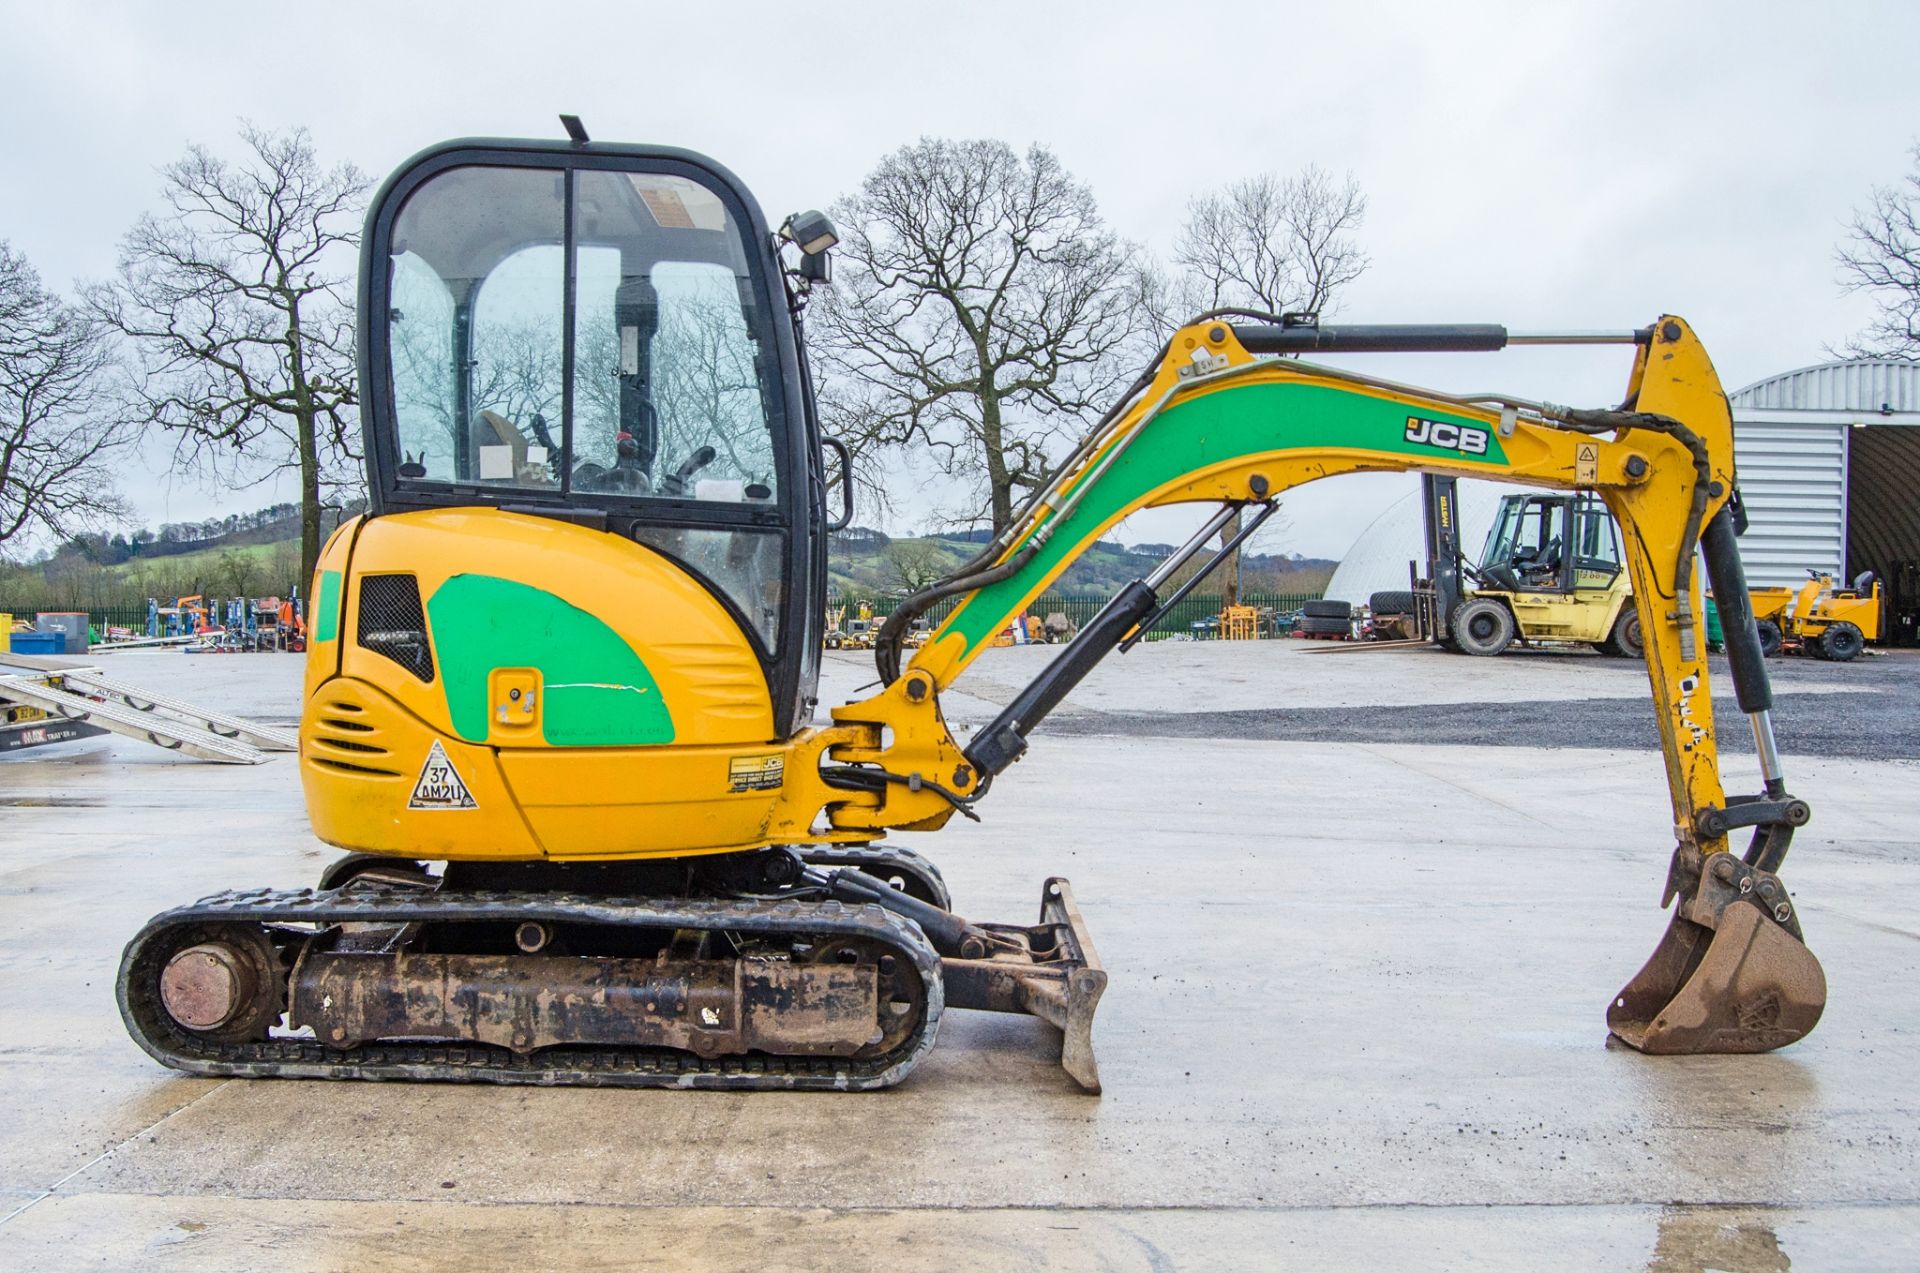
x: 1611, y: 421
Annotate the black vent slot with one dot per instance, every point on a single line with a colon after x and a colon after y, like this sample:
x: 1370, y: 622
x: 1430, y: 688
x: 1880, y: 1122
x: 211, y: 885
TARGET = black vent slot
x: 392, y: 623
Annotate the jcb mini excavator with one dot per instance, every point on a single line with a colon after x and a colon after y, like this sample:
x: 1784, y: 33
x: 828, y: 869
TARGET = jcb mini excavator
x: 560, y: 691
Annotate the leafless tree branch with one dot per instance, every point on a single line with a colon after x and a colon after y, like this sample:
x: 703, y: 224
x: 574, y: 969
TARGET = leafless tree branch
x: 60, y: 422
x: 1881, y: 256
x: 983, y: 308
x: 237, y: 301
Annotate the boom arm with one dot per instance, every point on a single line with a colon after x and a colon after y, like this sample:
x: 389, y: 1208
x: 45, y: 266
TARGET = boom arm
x: 1215, y: 423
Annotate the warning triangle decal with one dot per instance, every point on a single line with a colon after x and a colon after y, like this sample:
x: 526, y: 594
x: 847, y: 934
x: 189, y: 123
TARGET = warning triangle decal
x: 440, y: 786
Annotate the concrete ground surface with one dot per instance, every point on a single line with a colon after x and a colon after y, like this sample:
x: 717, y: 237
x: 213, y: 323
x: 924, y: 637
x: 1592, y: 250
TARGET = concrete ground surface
x: 1355, y: 1021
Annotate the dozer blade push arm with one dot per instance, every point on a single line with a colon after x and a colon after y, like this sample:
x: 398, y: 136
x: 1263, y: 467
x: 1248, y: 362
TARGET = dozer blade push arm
x: 1215, y: 421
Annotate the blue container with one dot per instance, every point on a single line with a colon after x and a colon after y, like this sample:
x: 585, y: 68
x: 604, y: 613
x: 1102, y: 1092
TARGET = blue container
x: 39, y: 642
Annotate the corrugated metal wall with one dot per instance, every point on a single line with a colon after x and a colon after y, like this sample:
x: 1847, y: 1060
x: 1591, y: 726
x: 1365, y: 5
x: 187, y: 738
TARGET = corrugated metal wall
x: 1863, y: 384
x: 1818, y: 448
x: 1793, y: 478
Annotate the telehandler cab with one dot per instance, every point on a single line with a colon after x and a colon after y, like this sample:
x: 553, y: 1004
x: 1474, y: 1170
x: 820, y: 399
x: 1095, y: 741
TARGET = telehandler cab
x: 560, y: 691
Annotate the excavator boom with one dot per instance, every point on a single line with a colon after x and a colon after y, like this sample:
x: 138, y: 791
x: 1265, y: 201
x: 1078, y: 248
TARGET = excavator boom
x: 1218, y: 422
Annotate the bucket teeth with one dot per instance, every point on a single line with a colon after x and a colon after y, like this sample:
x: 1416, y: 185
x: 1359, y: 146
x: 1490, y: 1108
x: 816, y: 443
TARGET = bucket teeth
x: 1730, y: 975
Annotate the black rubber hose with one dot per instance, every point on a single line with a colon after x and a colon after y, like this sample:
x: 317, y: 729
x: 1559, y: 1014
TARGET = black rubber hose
x: 1603, y: 421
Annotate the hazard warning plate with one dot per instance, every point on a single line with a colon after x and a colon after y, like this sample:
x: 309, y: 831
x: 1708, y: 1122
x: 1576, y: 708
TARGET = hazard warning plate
x: 440, y: 785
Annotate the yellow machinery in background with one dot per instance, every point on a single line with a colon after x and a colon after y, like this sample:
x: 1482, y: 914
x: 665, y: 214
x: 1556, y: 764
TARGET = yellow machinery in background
x: 561, y: 680
x: 1239, y: 623
x: 1550, y: 573
x: 1818, y: 618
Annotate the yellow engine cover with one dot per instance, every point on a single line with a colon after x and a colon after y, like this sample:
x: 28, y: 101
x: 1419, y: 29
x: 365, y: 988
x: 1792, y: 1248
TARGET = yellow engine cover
x: 586, y: 698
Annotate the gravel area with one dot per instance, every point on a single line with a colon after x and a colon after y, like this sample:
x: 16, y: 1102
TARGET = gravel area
x: 1867, y: 710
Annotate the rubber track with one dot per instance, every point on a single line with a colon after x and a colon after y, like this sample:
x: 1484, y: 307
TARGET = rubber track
x: 137, y: 990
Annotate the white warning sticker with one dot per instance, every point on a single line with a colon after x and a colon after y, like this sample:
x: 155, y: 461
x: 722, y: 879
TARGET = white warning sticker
x: 1586, y: 464
x: 440, y: 786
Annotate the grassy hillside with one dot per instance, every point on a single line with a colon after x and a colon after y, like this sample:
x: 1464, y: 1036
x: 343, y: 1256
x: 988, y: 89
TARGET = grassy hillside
x: 867, y: 565
x: 861, y: 565
x: 70, y: 582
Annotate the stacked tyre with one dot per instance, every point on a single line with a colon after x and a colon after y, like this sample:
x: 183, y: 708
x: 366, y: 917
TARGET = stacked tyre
x: 1326, y: 619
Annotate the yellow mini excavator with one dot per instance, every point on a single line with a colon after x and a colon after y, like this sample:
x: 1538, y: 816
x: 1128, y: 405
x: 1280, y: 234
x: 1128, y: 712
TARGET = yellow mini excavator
x: 560, y: 689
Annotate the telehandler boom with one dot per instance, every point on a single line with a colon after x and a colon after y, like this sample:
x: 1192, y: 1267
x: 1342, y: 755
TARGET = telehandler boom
x: 572, y: 655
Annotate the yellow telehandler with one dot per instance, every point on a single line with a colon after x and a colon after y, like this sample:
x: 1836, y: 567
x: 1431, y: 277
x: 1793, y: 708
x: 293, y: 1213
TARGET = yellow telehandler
x: 1550, y: 574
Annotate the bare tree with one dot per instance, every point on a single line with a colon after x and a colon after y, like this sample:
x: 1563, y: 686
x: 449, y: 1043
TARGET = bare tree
x: 982, y: 306
x: 237, y: 299
x: 1271, y: 243
x: 916, y: 563
x: 59, y: 427
x: 1882, y: 256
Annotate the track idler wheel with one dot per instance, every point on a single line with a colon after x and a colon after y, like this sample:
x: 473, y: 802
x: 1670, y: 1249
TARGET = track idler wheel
x: 224, y: 983
x: 1732, y: 974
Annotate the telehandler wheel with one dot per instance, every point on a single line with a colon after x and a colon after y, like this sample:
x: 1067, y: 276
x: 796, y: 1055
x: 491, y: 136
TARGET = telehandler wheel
x: 1482, y: 626
x: 1841, y: 642
x: 1625, y: 641
x: 1771, y: 642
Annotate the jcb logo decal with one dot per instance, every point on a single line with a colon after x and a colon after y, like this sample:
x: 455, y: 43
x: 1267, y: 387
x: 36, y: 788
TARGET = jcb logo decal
x: 1448, y: 437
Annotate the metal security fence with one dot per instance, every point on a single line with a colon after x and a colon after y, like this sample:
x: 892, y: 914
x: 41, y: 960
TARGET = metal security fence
x: 133, y: 617
x: 1180, y: 621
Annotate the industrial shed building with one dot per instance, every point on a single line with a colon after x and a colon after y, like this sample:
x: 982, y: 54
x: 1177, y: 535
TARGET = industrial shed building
x: 1829, y: 466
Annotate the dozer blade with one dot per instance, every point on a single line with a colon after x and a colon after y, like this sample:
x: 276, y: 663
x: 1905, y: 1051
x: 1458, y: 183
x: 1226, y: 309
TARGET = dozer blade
x: 1731, y: 975
x: 1050, y: 971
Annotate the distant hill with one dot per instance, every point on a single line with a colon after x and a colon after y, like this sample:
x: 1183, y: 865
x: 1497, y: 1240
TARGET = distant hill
x: 246, y: 554
x: 868, y: 563
x: 258, y: 554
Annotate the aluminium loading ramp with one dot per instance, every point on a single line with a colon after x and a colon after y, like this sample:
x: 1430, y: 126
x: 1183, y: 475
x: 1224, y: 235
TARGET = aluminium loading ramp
x: 82, y: 694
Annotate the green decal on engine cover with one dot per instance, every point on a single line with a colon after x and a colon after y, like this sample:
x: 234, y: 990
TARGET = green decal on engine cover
x: 326, y: 607
x: 1238, y: 423
x: 598, y: 691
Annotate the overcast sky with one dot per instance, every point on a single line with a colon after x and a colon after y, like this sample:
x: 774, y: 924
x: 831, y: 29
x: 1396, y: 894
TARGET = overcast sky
x: 1540, y: 165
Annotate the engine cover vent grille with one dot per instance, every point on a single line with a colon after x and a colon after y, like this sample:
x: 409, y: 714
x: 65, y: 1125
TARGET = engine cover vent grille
x: 392, y: 623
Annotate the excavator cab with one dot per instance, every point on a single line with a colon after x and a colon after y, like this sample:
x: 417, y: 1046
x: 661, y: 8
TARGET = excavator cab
x: 603, y: 338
